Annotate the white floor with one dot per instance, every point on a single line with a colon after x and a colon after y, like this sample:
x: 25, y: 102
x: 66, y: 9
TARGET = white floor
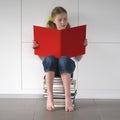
x: 34, y: 109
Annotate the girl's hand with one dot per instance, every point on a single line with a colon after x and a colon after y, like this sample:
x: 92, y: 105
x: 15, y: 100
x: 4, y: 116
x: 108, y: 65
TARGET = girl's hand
x: 78, y: 58
x: 35, y: 45
x: 85, y: 42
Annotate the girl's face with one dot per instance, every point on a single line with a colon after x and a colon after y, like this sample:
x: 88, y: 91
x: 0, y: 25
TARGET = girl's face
x: 61, y: 21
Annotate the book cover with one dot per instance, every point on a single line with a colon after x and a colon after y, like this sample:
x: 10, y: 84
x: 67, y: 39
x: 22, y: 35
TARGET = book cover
x: 66, y: 42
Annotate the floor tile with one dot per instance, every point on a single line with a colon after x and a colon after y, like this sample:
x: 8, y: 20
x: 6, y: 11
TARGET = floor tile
x: 17, y: 109
x: 108, y: 109
x: 84, y: 110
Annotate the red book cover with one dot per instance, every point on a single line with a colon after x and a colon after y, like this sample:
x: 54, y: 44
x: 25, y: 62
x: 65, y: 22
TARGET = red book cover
x: 66, y: 42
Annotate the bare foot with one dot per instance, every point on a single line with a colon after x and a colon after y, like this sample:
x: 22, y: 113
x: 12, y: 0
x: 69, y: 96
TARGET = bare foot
x: 68, y: 105
x: 50, y: 105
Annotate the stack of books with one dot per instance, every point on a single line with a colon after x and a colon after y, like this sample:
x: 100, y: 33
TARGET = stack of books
x: 59, y: 93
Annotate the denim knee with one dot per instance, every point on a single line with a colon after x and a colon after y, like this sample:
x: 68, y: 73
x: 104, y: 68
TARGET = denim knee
x: 50, y: 63
x: 66, y: 65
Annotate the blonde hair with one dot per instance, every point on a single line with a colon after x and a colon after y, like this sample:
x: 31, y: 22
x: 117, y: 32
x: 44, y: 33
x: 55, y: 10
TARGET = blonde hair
x: 56, y: 11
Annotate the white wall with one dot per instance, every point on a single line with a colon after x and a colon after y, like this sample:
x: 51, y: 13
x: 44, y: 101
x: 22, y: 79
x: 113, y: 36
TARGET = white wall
x: 10, y: 46
x: 99, y: 70
x: 21, y: 71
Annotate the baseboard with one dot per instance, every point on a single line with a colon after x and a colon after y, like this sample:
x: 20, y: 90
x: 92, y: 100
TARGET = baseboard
x: 21, y: 96
x: 99, y: 94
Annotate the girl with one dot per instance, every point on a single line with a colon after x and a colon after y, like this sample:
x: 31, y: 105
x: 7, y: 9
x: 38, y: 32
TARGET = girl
x: 62, y: 67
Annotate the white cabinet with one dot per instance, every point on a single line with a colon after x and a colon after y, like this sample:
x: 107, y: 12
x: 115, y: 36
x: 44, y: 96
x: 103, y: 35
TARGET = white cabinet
x: 32, y: 69
x: 102, y: 19
x: 99, y: 69
x: 10, y: 46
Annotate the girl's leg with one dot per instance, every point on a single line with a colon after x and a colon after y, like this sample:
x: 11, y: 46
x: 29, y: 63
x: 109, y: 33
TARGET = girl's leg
x: 66, y: 68
x: 49, y: 82
x: 66, y: 82
x: 49, y: 65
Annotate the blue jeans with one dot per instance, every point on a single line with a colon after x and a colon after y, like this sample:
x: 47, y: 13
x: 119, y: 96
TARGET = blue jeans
x: 62, y: 65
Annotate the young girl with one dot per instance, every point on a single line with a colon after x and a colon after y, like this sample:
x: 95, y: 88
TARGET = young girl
x: 62, y: 67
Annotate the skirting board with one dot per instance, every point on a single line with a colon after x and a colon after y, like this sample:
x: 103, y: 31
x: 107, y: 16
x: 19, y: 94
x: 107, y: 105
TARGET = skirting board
x: 87, y: 94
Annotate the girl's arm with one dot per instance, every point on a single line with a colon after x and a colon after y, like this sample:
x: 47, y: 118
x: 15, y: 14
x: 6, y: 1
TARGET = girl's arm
x: 41, y: 57
x: 78, y: 58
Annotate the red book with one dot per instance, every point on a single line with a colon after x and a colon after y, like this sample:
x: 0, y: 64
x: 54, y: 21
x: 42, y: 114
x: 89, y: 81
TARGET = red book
x: 66, y: 42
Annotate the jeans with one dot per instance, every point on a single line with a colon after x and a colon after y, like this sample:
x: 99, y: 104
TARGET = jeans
x: 62, y: 65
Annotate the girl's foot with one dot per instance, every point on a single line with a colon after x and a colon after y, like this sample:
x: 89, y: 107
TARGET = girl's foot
x: 50, y: 105
x: 68, y: 105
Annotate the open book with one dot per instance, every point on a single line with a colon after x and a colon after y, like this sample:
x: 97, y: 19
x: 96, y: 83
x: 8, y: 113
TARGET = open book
x: 66, y: 42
